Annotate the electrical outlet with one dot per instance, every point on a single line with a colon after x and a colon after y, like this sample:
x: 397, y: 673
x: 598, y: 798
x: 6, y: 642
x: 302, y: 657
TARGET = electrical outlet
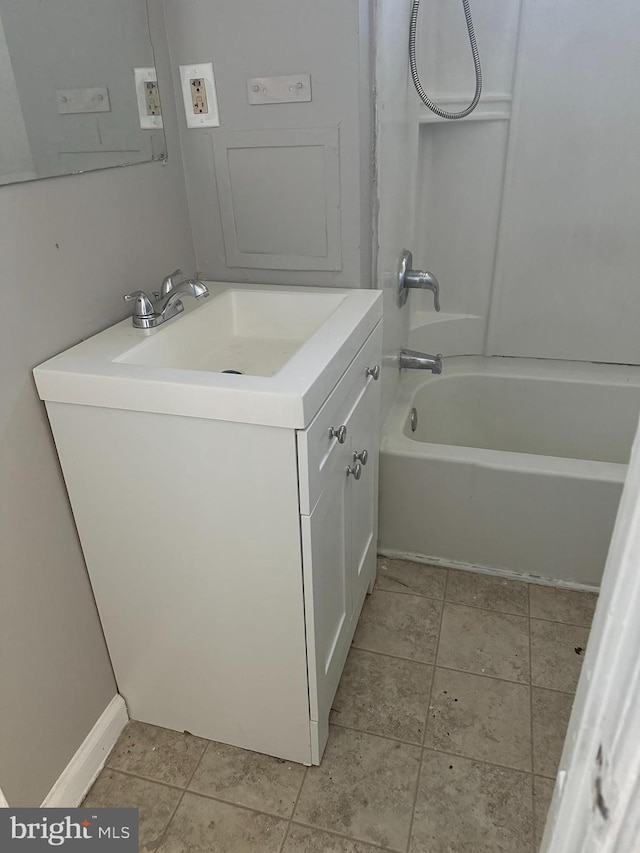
x: 152, y: 98
x: 148, y: 96
x: 199, y: 95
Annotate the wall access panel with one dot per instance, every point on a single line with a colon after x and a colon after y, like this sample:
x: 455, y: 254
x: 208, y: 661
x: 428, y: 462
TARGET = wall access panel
x: 279, y: 196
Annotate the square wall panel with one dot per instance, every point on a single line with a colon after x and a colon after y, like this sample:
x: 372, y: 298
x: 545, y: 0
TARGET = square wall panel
x: 279, y: 194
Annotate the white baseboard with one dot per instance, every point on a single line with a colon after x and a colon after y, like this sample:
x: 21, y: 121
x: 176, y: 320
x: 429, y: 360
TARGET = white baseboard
x: 394, y: 553
x: 78, y: 776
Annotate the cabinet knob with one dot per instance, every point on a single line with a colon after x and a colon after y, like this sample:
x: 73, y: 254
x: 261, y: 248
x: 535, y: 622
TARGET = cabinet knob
x: 356, y: 471
x: 340, y: 433
x: 363, y: 456
x: 374, y: 371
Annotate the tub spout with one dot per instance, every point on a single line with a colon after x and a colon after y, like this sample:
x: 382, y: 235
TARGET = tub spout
x: 419, y: 361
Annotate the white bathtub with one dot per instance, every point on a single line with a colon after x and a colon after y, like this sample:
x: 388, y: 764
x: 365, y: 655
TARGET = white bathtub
x: 516, y: 465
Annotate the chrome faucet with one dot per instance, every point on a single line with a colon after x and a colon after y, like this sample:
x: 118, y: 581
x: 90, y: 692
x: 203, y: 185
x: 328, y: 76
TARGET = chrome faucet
x: 412, y: 359
x: 415, y: 279
x: 188, y: 287
x: 169, y: 282
x: 148, y: 313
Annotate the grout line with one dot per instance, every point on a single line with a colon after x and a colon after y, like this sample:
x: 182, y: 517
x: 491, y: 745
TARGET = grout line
x: 393, y: 657
x: 237, y: 805
x: 293, y: 810
x: 416, y: 743
x: 533, y: 767
x: 181, y: 798
x: 462, y: 671
x: 141, y: 778
x: 427, y: 716
x: 389, y: 655
x: 447, y: 600
x: 485, y: 609
x: 415, y: 800
x: 558, y: 622
x: 434, y: 749
x: 478, y: 760
x: 554, y: 690
x: 342, y: 835
x: 409, y: 592
x: 433, y: 674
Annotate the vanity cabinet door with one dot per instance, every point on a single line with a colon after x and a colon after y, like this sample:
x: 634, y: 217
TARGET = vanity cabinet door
x: 327, y: 586
x: 363, y: 493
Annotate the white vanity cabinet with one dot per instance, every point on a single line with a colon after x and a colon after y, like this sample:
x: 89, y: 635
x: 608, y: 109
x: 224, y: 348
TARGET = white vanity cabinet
x: 229, y: 560
x: 338, y: 456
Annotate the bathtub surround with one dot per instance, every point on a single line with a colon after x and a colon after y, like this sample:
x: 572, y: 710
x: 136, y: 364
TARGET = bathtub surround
x: 70, y: 248
x: 396, y: 164
x: 528, y: 212
x: 424, y: 753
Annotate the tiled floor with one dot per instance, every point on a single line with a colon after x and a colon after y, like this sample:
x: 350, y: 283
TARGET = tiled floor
x: 446, y: 733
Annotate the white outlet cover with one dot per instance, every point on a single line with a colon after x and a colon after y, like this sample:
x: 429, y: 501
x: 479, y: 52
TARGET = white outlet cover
x: 203, y: 71
x: 142, y: 76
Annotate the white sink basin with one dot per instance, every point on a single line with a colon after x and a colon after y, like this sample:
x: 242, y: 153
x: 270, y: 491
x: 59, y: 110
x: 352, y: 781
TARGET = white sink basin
x: 289, y: 345
x: 248, y: 331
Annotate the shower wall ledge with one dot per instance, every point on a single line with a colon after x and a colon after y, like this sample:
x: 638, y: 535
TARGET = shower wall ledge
x: 492, y: 107
x: 449, y: 334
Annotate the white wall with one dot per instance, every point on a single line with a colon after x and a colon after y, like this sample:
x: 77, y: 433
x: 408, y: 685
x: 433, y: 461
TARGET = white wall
x: 329, y: 41
x: 70, y: 248
x: 528, y: 211
x: 569, y: 247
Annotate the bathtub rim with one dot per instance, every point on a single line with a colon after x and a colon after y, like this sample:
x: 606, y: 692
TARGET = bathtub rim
x: 394, y: 439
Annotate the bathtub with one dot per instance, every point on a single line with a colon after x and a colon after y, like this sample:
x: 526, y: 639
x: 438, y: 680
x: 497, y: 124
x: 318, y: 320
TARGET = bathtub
x: 515, y: 466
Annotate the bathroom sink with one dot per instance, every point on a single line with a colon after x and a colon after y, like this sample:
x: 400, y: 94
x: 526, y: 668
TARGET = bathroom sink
x: 244, y: 331
x: 252, y: 353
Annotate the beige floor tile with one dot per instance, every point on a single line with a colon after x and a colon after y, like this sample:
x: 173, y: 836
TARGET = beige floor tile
x: 493, y: 593
x: 557, y: 652
x: 481, y: 718
x: 208, y: 826
x: 542, y: 794
x: 471, y: 807
x: 363, y: 789
x: 551, y: 712
x: 156, y: 753
x: 484, y: 642
x: 403, y: 625
x: 155, y: 802
x: 248, y: 779
x: 406, y: 576
x: 303, y: 839
x: 383, y: 695
x: 562, y: 605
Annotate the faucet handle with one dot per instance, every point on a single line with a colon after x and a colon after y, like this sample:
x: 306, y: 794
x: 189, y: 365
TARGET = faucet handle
x: 434, y: 286
x: 143, y: 307
x: 168, y: 282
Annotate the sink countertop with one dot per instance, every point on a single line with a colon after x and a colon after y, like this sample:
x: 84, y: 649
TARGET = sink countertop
x: 95, y: 372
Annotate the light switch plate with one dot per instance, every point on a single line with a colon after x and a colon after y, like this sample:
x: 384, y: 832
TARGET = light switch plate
x: 94, y: 100
x: 286, y: 89
x: 142, y: 76
x: 202, y: 71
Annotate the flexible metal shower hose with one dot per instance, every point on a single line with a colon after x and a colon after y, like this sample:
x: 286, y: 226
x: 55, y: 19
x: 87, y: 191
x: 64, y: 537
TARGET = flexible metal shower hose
x: 426, y: 100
